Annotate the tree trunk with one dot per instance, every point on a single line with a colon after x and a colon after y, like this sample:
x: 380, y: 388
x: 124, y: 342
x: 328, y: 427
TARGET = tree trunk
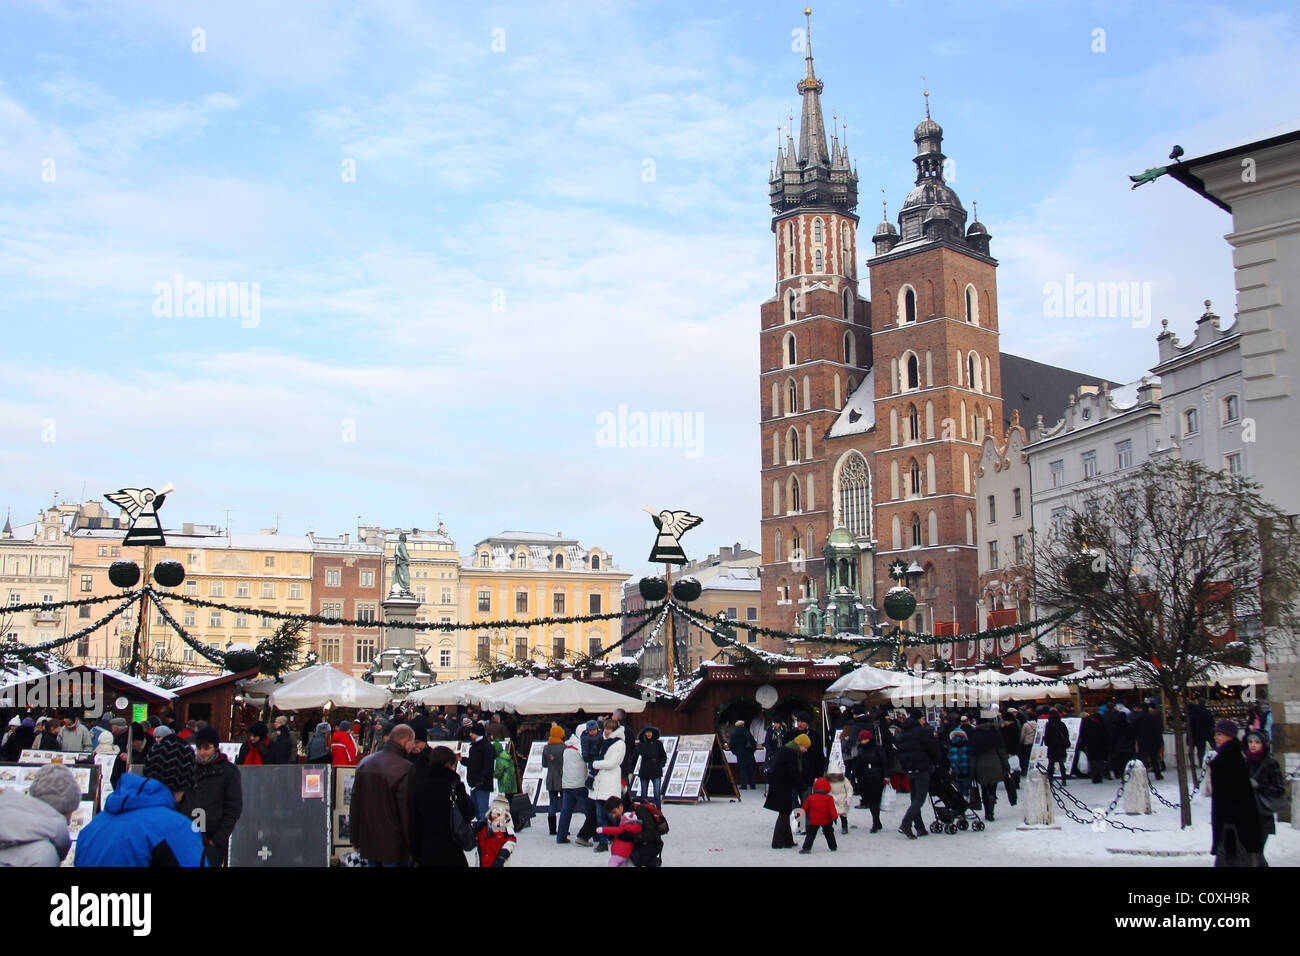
x: 1184, y: 800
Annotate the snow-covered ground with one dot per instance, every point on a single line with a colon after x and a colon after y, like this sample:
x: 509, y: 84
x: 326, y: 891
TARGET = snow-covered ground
x: 726, y: 833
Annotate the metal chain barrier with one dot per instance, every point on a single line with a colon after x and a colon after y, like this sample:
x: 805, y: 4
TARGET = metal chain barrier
x: 1056, y: 795
x: 1156, y: 793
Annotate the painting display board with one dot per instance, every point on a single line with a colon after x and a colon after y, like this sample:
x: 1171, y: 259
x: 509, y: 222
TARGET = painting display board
x: 340, y: 831
x: 287, y: 816
x: 230, y: 749
x: 690, y: 769
x: 637, y: 787
x: 18, y: 776
x: 533, y: 781
x: 1038, y: 755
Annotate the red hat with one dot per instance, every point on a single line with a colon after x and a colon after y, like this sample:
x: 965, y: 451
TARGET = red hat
x: 864, y: 735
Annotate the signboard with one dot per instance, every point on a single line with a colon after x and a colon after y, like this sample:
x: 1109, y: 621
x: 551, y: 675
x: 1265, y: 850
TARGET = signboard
x: 231, y: 750
x: 533, y: 781
x: 89, y: 779
x: 279, y: 826
x: 690, y: 767
x: 139, y: 713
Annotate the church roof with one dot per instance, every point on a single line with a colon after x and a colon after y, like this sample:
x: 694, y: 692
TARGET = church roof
x: 858, y: 415
x: 1035, y: 388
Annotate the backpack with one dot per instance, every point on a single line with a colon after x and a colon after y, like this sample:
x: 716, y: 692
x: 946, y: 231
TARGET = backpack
x: 653, y: 825
x: 318, y: 748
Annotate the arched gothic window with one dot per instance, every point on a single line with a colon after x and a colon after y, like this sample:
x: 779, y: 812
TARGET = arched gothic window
x: 855, y: 495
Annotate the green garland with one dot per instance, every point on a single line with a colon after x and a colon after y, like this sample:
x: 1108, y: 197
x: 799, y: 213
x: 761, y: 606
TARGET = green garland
x: 207, y: 653
x: 41, y: 606
x: 23, y: 653
x: 410, y: 625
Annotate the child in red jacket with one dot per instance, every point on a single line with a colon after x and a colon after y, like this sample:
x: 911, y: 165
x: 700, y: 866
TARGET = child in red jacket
x: 820, y: 813
x: 496, y: 842
x: 623, y: 832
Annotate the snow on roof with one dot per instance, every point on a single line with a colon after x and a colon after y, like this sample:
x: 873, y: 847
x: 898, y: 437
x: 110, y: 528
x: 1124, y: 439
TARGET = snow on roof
x: 1125, y: 396
x: 859, y: 412
x: 143, y: 685
x: 733, y: 579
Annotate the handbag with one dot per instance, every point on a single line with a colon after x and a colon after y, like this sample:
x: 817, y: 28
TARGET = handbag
x: 976, y: 801
x: 1271, y: 805
x: 462, y: 834
x: 1009, y: 781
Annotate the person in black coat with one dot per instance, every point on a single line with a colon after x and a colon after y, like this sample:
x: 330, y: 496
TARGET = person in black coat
x: 869, y: 771
x: 785, y: 777
x: 478, y: 770
x: 918, y: 757
x: 281, y: 748
x: 1057, y: 740
x: 743, y: 745
x: 437, y: 785
x: 216, y: 800
x: 650, y: 750
x: 1149, y: 734
x: 1094, y: 743
x: 1123, y: 748
x: 1200, y: 733
x: 814, y: 761
x: 1234, y: 812
x: 23, y: 738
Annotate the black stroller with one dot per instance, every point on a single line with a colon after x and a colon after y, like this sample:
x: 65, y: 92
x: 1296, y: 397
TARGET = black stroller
x: 951, y: 810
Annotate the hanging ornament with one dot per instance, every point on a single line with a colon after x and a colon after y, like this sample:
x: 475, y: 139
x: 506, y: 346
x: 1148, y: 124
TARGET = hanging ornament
x: 653, y: 588
x: 169, y: 574
x: 124, y: 574
x: 141, y: 506
x: 671, y: 526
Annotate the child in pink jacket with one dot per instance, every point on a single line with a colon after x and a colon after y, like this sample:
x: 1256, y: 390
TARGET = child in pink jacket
x: 622, y: 834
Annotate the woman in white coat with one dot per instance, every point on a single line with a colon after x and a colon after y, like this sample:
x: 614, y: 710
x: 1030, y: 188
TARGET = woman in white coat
x: 607, y: 780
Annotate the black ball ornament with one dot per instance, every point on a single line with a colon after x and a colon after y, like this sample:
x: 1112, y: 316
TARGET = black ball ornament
x: 900, y: 603
x: 168, y: 574
x: 723, y: 635
x: 124, y: 574
x: 237, y: 661
x: 654, y: 589
x: 686, y: 590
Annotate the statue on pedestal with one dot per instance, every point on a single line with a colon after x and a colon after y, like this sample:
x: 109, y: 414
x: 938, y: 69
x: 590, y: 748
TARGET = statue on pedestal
x: 401, y: 568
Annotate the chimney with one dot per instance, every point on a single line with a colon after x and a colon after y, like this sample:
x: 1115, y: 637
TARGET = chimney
x: 725, y: 553
x: 187, y: 527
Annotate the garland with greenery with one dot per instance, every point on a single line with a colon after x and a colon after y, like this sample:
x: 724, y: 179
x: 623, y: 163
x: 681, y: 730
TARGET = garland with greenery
x: 207, y: 653
x: 12, y: 651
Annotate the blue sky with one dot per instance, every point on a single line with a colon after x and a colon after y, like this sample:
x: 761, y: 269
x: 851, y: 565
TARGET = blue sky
x: 439, y: 335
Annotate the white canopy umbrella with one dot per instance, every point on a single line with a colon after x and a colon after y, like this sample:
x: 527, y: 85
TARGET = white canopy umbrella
x: 328, y: 686
x: 1235, y: 676
x: 486, y: 696
x: 865, y: 681
x: 1038, y: 688
x: 1090, y: 679
x: 568, y: 696
x: 261, y: 686
x: 449, y: 694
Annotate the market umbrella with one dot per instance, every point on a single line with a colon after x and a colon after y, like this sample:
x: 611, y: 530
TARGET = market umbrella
x: 449, y: 694
x: 485, y: 696
x: 328, y: 686
x: 261, y: 686
x: 1036, y: 687
x: 568, y: 696
x: 865, y: 681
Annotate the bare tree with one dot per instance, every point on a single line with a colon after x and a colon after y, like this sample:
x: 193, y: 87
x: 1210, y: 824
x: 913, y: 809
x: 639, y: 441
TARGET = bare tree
x: 1171, y: 566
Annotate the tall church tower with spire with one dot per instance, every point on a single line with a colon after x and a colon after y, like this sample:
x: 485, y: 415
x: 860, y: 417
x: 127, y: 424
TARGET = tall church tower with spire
x: 871, y: 419
x: 815, y: 347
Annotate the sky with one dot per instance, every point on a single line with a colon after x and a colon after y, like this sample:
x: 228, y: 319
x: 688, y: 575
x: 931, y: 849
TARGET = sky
x: 472, y: 239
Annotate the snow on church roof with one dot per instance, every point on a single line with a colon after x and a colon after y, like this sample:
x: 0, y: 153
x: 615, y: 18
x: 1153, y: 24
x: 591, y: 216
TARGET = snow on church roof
x: 859, y: 413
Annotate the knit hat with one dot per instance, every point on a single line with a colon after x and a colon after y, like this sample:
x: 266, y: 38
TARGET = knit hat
x: 1226, y: 726
x: 803, y: 741
x: 421, y: 733
x: 282, y: 721
x: 258, y: 729
x: 1256, y: 735
x: 171, y: 763
x: 206, y: 735
x: 323, y: 728
x: 557, y: 735
x: 865, y: 735
x: 54, y: 784
x: 345, y: 725
x: 161, y: 731
x: 27, y: 722
x: 119, y: 722
x: 478, y: 729
x: 15, y: 720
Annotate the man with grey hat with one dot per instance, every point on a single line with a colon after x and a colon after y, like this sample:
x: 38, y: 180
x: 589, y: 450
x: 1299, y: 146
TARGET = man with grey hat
x: 34, y: 826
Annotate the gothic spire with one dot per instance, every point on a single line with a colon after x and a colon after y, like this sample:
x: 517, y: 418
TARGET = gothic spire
x: 812, y: 128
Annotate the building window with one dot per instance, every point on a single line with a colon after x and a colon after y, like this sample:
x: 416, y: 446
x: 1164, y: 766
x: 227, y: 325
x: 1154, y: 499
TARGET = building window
x: 993, y: 555
x: 217, y: 588
x: 1123, y: 454
x: 521, y: 560
x: 1231, y: 409
x: 593, y: 604
x: 187, y: 654
x: 791, y: 356
x: 366, y: 612
x: 993, y: 509
x: 87, y: 583
x: 1089, y: 464
x: 817, y: 230
x: 791, y: 398
x: 331, y: 650
x: 818, y: 261
x: 559, y: 560
x: 1020, y: 548
x: 192, y: 588
x: 913, y: 372
x: 970, y: 304
x: 1016, y: 506
x: 1058, y: 520
x: 365, y: 650
x: 913, y: 424
x: 189, y: 617
x: 214, y: 619
x: 794, y: 494
x: 160, y: 650
x: 446, y: 595
x: 103, y: 550
x: 332, y: 577
x: 241, y: 619
x: 854, y: 495
x: 1191, y: 422
x: 916, y: 477
x: 269, y: 562
x: 751, y: 614
x: 909, y: 305
x: 595, y: 562
x: 557, y: 602
x: 295, y: 591
x: 84, y: 612
x: 1232, y: 464
x: 241, y: 589
x: 483, y: 649
x: 367, y: 579
x: 521, y: 602
x: 484, y: 600
x: 916, y: 531
x: 268, y: 589
x: 1058, y: 473
x: 444, y: 658
x: 557, y: 648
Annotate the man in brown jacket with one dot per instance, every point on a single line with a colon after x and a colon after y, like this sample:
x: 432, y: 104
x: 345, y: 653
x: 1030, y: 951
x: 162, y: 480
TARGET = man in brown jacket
x: 382, y: 795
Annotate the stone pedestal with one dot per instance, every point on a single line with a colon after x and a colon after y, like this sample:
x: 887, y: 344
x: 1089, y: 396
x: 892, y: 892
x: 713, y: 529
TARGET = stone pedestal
x: 399, y: 666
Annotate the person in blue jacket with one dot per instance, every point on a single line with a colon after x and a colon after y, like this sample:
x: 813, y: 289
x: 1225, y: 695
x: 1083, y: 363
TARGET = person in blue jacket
x: 140, y: 825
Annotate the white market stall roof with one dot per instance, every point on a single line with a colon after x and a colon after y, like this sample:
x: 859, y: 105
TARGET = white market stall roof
x: 864, y: 681
x: 261, y: 686
x: 449, y: 694
x: 568, y: 696
x: 485, y: 695
x: 1037, y: 688
x: 326, y: 685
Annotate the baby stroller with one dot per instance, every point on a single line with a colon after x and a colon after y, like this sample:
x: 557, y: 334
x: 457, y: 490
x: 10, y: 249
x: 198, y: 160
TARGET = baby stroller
x: 950, y: 807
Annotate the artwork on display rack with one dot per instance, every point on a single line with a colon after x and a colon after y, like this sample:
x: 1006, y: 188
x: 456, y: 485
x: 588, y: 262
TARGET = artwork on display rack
x: 343, y: 778
x: 674, y: 790
x: 534, y: 777
x: 230, y: 749
x: 11, y: 775
x: 80, y: 817
x: 1038, y: 755
x: 690, y: 767
x: 342, y: 828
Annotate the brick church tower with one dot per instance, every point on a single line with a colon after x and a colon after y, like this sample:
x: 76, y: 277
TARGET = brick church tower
x: 871, y: 420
